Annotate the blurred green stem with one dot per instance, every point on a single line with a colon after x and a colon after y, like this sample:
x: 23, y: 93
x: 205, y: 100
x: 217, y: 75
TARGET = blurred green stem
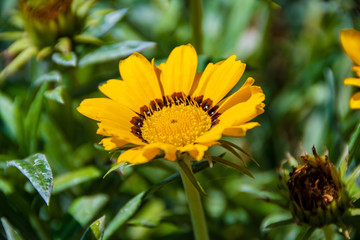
x: 196, y: 23
x: 195, y: 206
x: 328, y: 232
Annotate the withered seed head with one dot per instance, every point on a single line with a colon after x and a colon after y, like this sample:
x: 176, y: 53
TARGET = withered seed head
x: 316, y: 191
x: 314, y: 185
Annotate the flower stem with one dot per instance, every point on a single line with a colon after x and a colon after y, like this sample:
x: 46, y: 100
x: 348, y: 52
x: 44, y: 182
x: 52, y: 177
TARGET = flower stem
x: 196, y: 23
x: 195, y: 206
x: 328, y: 232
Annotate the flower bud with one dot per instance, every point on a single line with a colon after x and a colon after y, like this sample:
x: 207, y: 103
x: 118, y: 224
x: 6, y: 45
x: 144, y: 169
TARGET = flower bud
x: 317, y: 194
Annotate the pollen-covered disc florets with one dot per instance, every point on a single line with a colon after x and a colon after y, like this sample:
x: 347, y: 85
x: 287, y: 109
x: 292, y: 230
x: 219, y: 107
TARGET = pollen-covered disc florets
x: 178, y: 125
x: 316, y: 192
x: 176, y: 120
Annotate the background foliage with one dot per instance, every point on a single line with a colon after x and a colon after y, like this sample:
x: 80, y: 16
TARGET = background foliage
x: 292, y: 50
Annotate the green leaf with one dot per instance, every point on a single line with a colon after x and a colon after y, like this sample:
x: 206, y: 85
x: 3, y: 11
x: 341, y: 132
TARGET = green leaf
x: 144, y: 223
x: 32, y: 119
x: 281, y: 223
x: 350, y: 182
x: 10, y: 231
x: 44, y: 52
x: 19, y: 46
x: 190, y: 175
x: 84, y: 38
x: 52, y: 76
x: 6, y: 187
x: 74, y: 178
x: 343, y: 164
x: 68, y: 59
x: 84, y: 7
x: 230, y: 149
x: 107, y: 22
x: 84, y: 209
x: 355, y: 211
x: 114, y: 52
x: 232, y: 165
x: 308, y: 233
x: 126, y: 212
x: 240, y: 149
x: 117, y: 166
x: 356, y: 196
x: 37, y: 169
x: 17, y: 63
x: 56, y: 94
x: 11, y: 36
x: 7, y: 115
x: 354, y: 144
x: 96, y: 230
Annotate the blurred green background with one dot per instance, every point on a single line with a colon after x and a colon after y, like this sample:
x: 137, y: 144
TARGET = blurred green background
x: 291, y: 48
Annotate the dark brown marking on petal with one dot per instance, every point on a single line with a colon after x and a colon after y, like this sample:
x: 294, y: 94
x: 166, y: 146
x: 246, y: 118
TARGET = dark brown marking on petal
x: 177, y: 98
x: 159, y: 103
x: 153, y: 106
x: 214, y: 122
x: 213, y: 110
x: 199, y: 100
x: 137, y: 132
x: 167, y: 102
x: 207, y: 103
x: 145, y: 110
x: 137, y: 121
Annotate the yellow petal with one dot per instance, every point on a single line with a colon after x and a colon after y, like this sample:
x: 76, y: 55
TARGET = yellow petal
x: 106, y: 109
x: 214, y: 134
x: 179, y: 71
x: 204, y: 79
x: 240, y: 131
x: 241, y: 95
x: 138, y: 155
x: 355, y: 101
x: 196, y: 150
x: 356, y: 69
x: 350, y: 40
x: 196, y: 83
x: 147, y: 152
x: 116, y: 130
x: 158, y: 70
x: 244, y: 111
x: 140, y: 77
x: 119, y: 91
x: 110, y: 143
x: 223, y: 79
x: 352, y: 81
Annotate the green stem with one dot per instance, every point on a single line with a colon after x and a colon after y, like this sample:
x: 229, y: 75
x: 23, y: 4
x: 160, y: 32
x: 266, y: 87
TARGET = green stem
x: 196, y: 23
x: 328, y: 232
x: 195, y: 206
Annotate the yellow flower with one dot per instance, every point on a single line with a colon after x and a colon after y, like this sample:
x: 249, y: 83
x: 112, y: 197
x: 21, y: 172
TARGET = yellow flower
x: 171, y: 108
x: 350, y: 40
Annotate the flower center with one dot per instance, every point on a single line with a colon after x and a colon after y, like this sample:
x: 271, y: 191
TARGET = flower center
x: 176, y: 120
x: 178, y: 125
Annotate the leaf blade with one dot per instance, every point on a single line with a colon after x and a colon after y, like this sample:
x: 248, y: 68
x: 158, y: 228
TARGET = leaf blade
x: 233, y: 166
x: 114, y: 52
x: 95, y: 230
x: 11, y: 232
x: 37, y: 169
x: 126, y: 212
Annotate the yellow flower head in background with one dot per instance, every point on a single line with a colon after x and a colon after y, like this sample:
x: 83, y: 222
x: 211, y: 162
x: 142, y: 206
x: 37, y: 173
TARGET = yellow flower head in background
x: 350, y: 40
x: 171, y: 108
